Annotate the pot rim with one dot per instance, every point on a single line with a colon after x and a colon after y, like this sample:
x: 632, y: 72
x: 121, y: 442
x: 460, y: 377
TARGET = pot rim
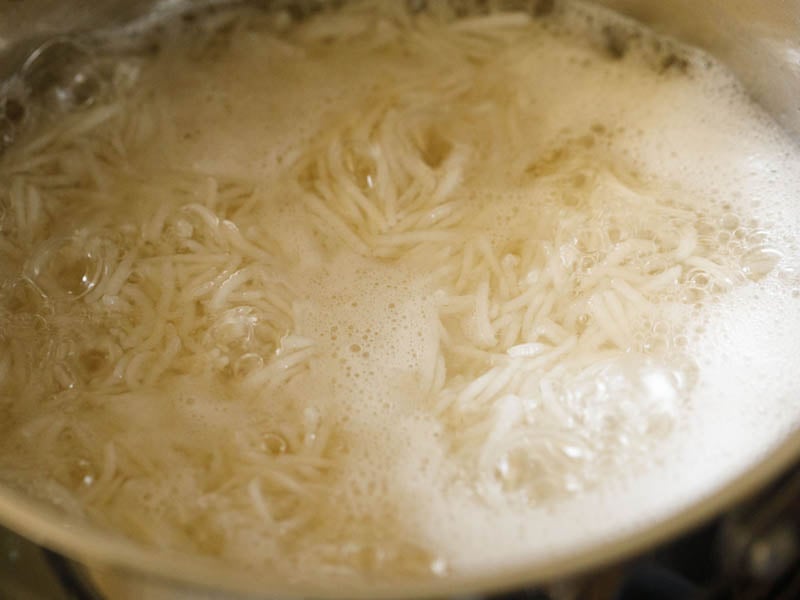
x: 98, y: 549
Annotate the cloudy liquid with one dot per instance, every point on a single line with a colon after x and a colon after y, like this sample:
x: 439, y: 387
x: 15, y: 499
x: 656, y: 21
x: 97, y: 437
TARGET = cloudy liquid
x: 377, y: 293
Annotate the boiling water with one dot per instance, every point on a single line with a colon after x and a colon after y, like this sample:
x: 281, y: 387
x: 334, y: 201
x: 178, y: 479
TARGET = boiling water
x: 380, y: 292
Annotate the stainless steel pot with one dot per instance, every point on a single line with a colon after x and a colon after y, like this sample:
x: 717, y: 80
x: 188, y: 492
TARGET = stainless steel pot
x: 758, y: 39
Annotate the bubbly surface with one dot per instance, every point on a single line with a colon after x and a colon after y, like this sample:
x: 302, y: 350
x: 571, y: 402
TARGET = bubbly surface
x: 381, y: 293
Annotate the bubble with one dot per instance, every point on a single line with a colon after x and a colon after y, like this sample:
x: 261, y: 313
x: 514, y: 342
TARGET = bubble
x: 82, y: 473
x: 236, y: 326
x: 67, y: 267
x: 62, y: 70
x: 247, y: 363
x: 759, y: 262
x: 274, y: 443
x: 79, y: 91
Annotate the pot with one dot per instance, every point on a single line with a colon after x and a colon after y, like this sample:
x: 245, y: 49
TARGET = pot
x: 758, y: 39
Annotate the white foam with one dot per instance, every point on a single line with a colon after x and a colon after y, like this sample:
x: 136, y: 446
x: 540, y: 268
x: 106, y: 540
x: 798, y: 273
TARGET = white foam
x: 685, y: 130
